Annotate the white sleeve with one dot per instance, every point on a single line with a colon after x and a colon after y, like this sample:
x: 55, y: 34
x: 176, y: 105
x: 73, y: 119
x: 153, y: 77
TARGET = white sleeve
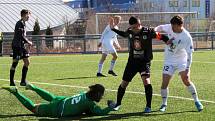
x: 189, y: 45
x: 163, y: 28
x: 107, y: 28
x: 189, y: 60
x: 116, y: 41
x: 189, y: 49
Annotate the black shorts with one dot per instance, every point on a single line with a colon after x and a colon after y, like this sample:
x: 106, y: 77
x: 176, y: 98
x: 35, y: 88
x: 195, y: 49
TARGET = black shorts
x: 20, y: 53
x: 135, y: 65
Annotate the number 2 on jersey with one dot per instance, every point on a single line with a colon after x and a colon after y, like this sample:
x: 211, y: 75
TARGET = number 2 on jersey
x: 166, y: 68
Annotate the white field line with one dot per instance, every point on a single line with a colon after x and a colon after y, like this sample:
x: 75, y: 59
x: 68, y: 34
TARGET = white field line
x: 88, y: 61
x: 110, y: 90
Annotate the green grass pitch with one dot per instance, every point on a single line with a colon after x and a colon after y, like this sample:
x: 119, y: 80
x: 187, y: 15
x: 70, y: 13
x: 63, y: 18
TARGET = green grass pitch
x: 71, y: 74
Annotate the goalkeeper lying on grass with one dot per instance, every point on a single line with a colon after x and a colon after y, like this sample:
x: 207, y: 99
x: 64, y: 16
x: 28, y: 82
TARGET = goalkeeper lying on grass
x: 61, y: 106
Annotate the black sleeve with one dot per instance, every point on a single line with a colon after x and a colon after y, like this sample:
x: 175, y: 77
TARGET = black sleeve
x: 153, y: 33
x: 159, y: 36
x: 121, y: 33
x: 165, y: 38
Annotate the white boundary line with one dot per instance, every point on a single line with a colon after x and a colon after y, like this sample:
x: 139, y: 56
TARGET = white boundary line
x: 205, y: 62
x: 131, y: 92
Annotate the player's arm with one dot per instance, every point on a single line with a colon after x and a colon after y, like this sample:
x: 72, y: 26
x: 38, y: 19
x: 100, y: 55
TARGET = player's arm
x: 23, y: 36
x: 163, y: 28
x: 189, y: 60
x: 112, y: 26
x: 189, y: 49
x: 158, y: 36
x: 97, y: 110
x: 104, y: 33
x: 120, y: 33
x: 117, y: 43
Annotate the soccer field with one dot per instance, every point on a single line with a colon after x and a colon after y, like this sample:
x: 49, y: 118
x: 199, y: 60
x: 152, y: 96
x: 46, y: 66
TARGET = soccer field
x: 71, y: 74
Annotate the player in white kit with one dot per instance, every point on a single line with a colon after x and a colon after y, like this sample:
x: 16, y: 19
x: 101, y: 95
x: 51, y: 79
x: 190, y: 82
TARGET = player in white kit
x: 178, y: 56
x: 107, y: 42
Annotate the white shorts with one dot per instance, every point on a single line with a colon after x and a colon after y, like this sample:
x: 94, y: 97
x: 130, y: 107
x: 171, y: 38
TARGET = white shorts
x: 171, y: 68
x: 108, y: 50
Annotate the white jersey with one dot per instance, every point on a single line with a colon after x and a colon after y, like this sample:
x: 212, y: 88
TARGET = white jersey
x: 176, y: 53
x: 108, y: 37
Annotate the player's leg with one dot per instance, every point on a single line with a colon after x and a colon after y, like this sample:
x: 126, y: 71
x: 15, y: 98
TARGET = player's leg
x: 120, y: 93
x: 100, y: 65
x: 112, y: 63
x: 24, y: 100
x: 25, y: 67
x: 41, y: 92
x: 16, y: 57
x: 129, y: 73
x: 12, y: 71
x: 145, y: 75
x: 148, y: 93
x: 168, y: 71
x: 185, y: 76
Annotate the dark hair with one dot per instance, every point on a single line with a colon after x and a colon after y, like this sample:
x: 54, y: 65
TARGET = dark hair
x: 133, y: 20
x: 24, y: 12
x: 177, y: 20
x: 96, y: 92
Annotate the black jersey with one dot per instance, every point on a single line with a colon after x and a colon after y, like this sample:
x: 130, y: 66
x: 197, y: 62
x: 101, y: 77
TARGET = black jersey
x: 19, y: 35
x: 140, y: 43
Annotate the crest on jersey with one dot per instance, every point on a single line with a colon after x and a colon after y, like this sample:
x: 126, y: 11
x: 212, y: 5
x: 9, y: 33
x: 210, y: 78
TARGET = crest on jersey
x: 144, y: 37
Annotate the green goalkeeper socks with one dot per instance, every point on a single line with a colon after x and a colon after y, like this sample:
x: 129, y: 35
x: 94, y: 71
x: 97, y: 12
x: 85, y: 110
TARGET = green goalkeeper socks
x: 25, y: 101
x: 43, y: 93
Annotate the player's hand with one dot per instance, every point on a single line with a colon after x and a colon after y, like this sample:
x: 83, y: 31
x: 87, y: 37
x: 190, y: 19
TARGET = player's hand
x: 170, y: 41
x: 30, y: 43
x: 100, y: 44
x: 111, y: 104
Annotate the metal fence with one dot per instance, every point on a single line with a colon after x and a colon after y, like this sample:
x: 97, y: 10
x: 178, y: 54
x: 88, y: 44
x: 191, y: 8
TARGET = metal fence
x: 88, y: 43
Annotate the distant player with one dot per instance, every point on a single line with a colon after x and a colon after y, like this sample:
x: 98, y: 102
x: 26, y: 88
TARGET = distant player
x: 107, y: 42
x: 140, y: 56
x: 19, y: 48
x: 178, y: 56
x: 61, y: 106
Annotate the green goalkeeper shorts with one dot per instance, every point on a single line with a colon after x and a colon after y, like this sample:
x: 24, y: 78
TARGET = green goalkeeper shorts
x: 50, y: 109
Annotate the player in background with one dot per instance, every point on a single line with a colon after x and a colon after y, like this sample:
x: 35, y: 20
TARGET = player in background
x: 107, y: 42
x: 178, y: 56
x: 61, y: 106
x: 139, y: 60
x: 19, y: 48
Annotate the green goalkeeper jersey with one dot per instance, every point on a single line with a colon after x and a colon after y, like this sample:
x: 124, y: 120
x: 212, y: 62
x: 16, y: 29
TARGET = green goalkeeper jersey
x: 79, y: 104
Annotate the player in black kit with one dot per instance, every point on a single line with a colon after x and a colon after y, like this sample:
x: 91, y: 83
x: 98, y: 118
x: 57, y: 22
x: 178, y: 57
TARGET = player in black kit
x: 140, y: 56
x: 19, y: 48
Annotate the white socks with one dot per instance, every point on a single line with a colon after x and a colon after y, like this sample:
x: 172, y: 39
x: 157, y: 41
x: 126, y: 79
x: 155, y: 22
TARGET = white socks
x: 112, y: 64
x: 192, y: 90
x: 164, y: 95
x: 100, y: 66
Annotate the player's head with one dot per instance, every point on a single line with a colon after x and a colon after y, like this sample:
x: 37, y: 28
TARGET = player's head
x: 134, y: 22
x: 96, y: 92
x: 117, y: 19
x: 25, y: 14
x: 177, y: 23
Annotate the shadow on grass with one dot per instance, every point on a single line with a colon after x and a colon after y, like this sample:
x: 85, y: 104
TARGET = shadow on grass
x: 115, y: 116
x: 15, y: 115
x: 72, y: 78
x: 97, y: 118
